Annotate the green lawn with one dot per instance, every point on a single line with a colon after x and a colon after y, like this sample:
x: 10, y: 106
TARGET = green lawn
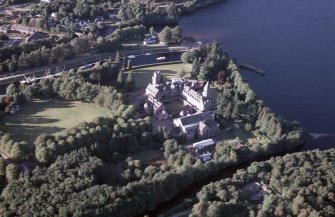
x: 50, y: 117
x: 240, y: 133
x: 148, y: 156
x: 143, y: 76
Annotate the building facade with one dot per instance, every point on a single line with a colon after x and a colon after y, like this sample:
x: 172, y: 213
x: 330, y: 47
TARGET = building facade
x: 187, y: 90
x: 197, y: 119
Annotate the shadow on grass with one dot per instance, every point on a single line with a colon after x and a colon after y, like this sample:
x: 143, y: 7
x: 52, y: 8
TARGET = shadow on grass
x: 143, y: 77
x: 29, y: 133
x: 24, y: 125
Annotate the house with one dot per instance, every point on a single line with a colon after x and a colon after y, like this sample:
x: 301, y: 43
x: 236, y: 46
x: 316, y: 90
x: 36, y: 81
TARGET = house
x: 204, y: 149
x: 153, y: 39
x: 201, y: 101
x: 198, y: 125
x: 256, y: 192
x: 187, y: 90
x: 157, y: 108
x: 196, y: 118
x: 203, y: 144
x: 205, y: 157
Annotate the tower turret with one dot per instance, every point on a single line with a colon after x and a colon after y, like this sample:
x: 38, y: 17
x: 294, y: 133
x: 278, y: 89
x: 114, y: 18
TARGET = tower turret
x: 156, y: 78
x: 206, y: 92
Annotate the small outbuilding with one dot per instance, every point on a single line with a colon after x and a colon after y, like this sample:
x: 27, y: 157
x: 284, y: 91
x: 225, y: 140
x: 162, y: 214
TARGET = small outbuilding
x: 203, y: 144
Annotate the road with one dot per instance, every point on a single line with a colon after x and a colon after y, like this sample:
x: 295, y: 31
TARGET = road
x: 82, y: 60
x: 182, y: 213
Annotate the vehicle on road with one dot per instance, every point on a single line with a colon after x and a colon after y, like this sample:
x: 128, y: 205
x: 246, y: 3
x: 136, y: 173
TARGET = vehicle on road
x: 161, y: 58
x: 86, y: 66
x: 131, y: 57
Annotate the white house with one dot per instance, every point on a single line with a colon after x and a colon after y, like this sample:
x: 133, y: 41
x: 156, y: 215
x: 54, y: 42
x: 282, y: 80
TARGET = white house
x: 203, y: 144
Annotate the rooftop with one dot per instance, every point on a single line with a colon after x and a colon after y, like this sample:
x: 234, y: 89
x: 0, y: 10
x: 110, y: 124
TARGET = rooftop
x: 197, y: 118
x: 203, y: 143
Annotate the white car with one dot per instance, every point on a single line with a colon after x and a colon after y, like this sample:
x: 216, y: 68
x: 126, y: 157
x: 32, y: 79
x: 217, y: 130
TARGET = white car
x: 160, y: 58
x: 131, y: 57
x: 87, y: 66
x: 147, y: 54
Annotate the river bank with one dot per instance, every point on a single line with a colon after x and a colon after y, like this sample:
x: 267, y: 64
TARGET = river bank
x: 224, y: 173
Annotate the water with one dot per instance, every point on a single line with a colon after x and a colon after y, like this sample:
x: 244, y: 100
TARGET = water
x: 292, y: 41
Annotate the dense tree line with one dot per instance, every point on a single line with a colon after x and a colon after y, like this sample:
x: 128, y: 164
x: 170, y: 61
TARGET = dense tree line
x: 108, y: 44
x: 136, y: 12
x: 207, y: 61
x: 237, y: 101
x: 192, y: 5
x: 108, y: 135
x: 301, y: 184
x: 69, y: 87
x: 41, y: 52
x: 78, y: 188
x: 65, y: 12
x: 130, y: 33
x: 9, y: 56
x: 170, y: 36
x: 18, y: 150
x: 77, y: 176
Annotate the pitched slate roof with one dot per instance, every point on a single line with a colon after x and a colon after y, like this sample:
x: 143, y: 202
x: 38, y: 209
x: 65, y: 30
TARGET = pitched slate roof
x: 197, y: 118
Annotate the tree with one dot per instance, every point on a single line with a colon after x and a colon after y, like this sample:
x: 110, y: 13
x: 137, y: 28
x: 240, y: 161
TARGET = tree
x: 40, y: 23
x: 195, y: 68
x: 19, y: 151
x: 181, y: 73
x: 12, y: 172
x: 248, y: 127
x: 152, y: 30
x: 250, y: 96
x: 129, y: 64
x: 120, y: 79
x: 221, y: 77
x: 117, y: 57
x: 11, y: 90
x: 165, y: 36
x: 176, y: 34
x: 80, y: 44
x: 130, y: 82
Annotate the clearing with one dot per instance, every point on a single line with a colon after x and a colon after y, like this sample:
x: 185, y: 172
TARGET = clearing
x: 143, y: 76
x: 149, y: 156
x: 50, y: 117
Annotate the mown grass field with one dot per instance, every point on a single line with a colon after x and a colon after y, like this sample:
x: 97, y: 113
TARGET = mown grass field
x: 143, y: 76
x: 50, y: 117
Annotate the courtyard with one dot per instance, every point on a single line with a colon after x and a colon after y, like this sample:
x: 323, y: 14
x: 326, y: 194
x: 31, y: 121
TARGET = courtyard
x: 174, y: 107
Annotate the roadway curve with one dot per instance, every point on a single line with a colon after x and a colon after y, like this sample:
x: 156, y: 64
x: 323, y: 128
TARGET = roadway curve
x: 89, y: 58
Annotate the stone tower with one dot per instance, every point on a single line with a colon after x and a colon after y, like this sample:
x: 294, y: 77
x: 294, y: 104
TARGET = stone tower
x: 207, y: 91
x: 156, y: 78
